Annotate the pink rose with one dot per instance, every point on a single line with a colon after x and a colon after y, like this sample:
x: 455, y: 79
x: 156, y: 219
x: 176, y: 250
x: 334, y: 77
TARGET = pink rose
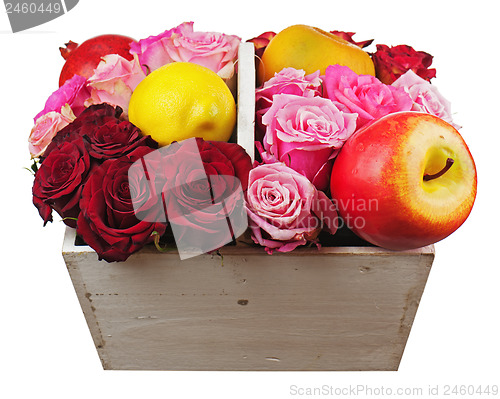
x: 152, y: 52
x: 46, y: 128
x: 363, y: 94
x: 73, y: 92
x: 114, y: 80
x: 287, y: 81
x: 426, y: 97
x: 306, y: 133
x: 215, y: 51
x: 284, y: 208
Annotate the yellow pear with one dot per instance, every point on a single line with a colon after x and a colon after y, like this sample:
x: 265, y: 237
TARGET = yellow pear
x: 311, y: 49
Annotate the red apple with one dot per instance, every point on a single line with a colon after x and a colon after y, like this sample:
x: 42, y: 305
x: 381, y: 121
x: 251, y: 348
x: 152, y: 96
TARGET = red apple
x: 83, y: 59
x: 405, y: 181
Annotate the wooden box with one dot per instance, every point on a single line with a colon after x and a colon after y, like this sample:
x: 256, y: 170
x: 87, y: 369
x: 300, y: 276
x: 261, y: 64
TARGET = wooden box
x: 337, y: 308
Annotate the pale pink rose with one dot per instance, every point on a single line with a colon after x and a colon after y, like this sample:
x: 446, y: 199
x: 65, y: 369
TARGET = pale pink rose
x: 46, y: 127
x: 114, y: 80
x: 216, y: 51
x: 73, y: 92
x: 284, y: 208
x: 306, y: 133
x: 363, y: 94
x: 287, y: 81
x: 426, y: 97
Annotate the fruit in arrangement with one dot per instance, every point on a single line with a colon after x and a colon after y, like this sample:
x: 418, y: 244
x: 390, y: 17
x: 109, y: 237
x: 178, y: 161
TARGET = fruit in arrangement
x: 182, y: 100
x: 311, y: 49
x: 83, y: 59
x: 405, y: 181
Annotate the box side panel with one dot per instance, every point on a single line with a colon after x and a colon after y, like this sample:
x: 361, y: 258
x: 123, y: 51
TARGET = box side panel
x: 334, y: 312
x: 74, y: 262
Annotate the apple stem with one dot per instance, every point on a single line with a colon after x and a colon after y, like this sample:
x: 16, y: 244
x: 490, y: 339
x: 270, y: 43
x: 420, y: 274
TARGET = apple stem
x: 449, y: 162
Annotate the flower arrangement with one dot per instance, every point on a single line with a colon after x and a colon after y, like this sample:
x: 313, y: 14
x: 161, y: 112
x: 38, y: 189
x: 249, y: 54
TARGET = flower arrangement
x: 113, y: 183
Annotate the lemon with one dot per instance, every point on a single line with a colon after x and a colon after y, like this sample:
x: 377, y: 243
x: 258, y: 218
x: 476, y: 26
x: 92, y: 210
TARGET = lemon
x: 182, y: 100
x: 311, y: 49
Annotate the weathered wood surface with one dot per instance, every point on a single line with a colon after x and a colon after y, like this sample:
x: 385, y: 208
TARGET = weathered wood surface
x: 343, y: 308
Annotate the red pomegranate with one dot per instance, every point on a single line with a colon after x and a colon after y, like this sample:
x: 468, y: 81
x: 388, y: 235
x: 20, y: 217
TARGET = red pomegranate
x: 83, y: 59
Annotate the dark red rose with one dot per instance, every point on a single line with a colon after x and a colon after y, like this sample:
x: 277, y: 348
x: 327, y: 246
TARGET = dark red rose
x: 347, y: 36
x: 107, y: 221
x: 88, y: 121
x: 109, y: 136
x: 59, y: 180
x: 202, y: 185
x: 112, y: 140
x: 392, y: 62
x: 96, y: 135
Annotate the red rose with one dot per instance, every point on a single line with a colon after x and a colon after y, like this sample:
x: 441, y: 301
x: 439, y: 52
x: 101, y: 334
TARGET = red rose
x: 108, y: 135
x: 260, y: 43
x: 202, y: 187
x: 392, y: 62
x: 95, y: 135
x: 60, y: 178
x: 107, y: 221
x: 347, y: 36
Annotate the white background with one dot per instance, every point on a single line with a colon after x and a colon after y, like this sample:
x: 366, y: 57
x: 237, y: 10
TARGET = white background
x: 46, y: 348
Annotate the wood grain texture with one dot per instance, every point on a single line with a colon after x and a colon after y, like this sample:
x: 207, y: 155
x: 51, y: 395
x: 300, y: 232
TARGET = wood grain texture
x: 343, y: 308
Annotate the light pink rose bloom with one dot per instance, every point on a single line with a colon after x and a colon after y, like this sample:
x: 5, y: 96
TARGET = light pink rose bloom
x: 284, y: 208
x: 73, y: 92
x: 114, y: 80
x: 215, y: 51
x: 46, y: 127
x: 426, y: 97
x: 363, y: 94
x: 306, y: 133
x: 287, y: 81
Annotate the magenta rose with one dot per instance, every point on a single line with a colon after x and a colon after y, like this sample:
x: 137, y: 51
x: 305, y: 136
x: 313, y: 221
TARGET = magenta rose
x: 216, y: 51
x: 73, y: 92
x: 306, y: 133
x: 59, y: 180
x: 392, y: 62
x: 363, y: 94
x: 107, y: 221
x: 201, y: 184
x: 114, y: 80
x: 287, y: 81
x: 284, y: 208
x: 426, y: 97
